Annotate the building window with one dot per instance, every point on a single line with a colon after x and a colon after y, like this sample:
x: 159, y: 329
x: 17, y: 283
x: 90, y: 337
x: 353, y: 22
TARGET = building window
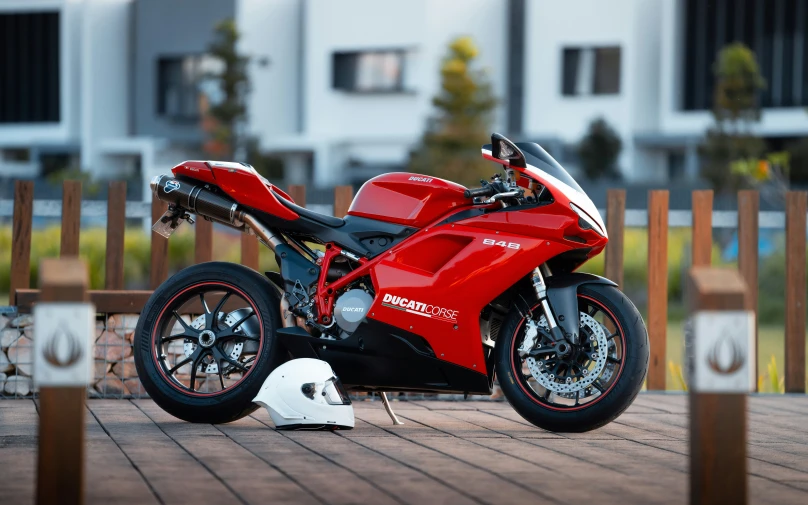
x: 590, y: 71
x: 184, y: 85
x: 370, y: 71
x: 29, y: 68
x: 774, y: 30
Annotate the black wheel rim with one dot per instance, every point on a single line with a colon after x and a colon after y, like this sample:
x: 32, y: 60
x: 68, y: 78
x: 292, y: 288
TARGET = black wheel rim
x: 569, y: 367
x: 207, y: 338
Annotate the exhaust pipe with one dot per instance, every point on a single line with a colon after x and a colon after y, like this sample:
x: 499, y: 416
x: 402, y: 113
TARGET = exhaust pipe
x: 205, y: 203
x: 195, y: 199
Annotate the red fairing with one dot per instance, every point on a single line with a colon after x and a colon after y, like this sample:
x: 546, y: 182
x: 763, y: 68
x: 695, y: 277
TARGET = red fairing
x: 437, y: 283
x: 195, y: 170
x: 241, y: 182
x: 407, y: 199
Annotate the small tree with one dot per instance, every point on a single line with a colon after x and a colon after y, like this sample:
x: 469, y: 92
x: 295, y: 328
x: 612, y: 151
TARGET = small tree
x: 735, y: 109
x: 599, y: 150
x: 225, y: 120
x: 450, y: 147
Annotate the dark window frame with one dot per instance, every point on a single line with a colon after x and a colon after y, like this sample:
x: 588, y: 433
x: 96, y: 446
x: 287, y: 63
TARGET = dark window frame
x: 602, y: 84
x: 170, y: 74
x: 346, y: 81
x: 30, y: 76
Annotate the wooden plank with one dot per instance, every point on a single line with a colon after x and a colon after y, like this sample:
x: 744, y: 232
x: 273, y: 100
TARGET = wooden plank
x: 748, y: 209
x: 174, y: 475
x: 615, y: 228
x: 298, y: 194
x: 111, y: 478
x: 130, y: 301
x: 702, y: 228
x: 21, y: 237
x: 71, y: 219
x: 203, y: 240
x: 249, y: 251
x: 796, y: 208
x: 657, y: 287
x: 159, y: 248
x: 717, y: 421
x: 343, y: 196
x: 60, y: 466
x: 116, y: 226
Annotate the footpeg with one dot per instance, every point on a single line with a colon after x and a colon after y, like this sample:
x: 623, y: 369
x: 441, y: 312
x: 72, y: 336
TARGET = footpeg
x: 389, y: 409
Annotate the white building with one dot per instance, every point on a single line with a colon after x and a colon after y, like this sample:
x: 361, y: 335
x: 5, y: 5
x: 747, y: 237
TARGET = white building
x: 342, y: 89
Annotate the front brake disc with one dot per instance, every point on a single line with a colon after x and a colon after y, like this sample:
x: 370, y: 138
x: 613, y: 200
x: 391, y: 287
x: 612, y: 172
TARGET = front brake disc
x: 598, y: 339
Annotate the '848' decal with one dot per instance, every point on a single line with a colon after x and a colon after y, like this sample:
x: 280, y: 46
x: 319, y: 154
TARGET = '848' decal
x: 501, y: 243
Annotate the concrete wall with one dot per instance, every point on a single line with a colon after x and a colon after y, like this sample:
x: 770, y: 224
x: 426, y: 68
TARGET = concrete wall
x: 106, y: 77
x: 272, y: 34
x: 166, y: 28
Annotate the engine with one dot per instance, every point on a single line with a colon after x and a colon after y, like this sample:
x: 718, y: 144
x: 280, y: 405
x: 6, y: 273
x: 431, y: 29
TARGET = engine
x: 351, y: 309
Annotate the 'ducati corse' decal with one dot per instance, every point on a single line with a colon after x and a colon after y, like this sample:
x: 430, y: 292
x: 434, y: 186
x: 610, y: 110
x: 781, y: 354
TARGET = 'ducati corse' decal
x: 419, y: 308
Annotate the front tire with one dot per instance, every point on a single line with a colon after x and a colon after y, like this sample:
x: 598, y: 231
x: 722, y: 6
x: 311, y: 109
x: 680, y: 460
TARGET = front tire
x: 208, y: 367
x: 559, y: 406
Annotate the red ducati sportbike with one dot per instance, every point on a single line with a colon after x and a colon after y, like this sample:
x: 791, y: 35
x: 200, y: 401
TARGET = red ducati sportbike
x: 425, y: 286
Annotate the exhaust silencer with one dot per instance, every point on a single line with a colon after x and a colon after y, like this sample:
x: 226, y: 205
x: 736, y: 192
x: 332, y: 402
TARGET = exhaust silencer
x: 196, y: 199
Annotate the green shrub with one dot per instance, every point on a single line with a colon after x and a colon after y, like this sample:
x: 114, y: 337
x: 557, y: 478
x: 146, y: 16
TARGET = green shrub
x: 45, y: 243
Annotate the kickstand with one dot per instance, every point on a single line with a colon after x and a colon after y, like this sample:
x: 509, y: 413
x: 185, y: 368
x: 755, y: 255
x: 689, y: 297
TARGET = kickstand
x: 389, y: 409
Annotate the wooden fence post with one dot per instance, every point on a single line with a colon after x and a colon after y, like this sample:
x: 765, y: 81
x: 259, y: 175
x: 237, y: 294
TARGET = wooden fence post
x: 63, y: 352
x: 721, y: 363
x: 249, y: 251
x: 298, y: 194
x: 203, y: 240
x: 343, y: 196
x: 71, y: 219
x: 116, y: 226
x: 657, y: 287
x: 796, y: 208
x: 748, y: 209
x: 159, y: 247
x: 21, y: 238
x: 615, y: 224
x: 702, y: 247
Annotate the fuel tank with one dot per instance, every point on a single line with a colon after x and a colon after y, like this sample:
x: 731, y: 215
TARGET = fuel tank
x: 408, y: 199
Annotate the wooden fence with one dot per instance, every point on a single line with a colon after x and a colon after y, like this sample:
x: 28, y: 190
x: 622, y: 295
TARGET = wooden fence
x: 114, y: 299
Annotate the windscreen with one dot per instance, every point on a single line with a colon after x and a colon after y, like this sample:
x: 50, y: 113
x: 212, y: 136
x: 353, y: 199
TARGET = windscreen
x: 539, y: 158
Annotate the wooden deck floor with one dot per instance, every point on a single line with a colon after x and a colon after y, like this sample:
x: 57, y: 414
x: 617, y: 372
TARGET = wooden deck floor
x: 447, y: 452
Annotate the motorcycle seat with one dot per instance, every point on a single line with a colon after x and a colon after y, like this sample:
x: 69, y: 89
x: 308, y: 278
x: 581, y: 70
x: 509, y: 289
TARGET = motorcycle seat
x: 330, y: 221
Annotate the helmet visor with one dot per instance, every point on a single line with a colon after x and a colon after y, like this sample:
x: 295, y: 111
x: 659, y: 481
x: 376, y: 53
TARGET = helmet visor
x: 334, y: 392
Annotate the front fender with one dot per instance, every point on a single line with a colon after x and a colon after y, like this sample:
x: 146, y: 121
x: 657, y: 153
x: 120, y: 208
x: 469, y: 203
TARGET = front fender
x: 562, y: 293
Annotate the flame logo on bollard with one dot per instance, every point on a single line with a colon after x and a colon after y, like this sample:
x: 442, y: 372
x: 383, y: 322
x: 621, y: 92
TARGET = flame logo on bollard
x: 736, y: 356
x: 61, y: 338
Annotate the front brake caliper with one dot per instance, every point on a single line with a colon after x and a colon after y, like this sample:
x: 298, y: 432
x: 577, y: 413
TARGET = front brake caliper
x: 531, y: 333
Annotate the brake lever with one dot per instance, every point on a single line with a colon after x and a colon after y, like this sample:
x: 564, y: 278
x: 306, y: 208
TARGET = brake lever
x: 500, y: 196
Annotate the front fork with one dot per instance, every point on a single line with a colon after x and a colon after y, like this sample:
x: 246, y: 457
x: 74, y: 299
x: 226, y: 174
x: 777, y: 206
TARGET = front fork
x: 541, y: 292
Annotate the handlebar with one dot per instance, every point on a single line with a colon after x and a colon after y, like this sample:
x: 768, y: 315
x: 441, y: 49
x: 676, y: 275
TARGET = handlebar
x: 489, y: 190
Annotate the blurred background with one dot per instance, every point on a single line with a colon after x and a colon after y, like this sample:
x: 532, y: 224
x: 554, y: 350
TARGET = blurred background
x: 637, y: 94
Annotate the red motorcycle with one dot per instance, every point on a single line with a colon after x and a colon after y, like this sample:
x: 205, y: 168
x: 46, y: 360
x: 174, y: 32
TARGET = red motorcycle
x: 425, y: 286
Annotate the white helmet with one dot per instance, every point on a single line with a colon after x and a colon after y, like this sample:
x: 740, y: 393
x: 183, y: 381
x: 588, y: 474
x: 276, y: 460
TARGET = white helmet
x: 305, y: 393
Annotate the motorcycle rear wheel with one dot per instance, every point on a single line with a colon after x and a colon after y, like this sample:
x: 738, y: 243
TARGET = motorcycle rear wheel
x: 618, y: 381
x: 208, y: 367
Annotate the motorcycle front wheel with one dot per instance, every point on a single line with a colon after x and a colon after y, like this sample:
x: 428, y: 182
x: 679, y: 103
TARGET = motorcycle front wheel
x: 205, y: 342
x: 574, y: 388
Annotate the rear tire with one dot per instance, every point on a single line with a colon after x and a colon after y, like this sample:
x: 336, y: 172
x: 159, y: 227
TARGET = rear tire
x: 233, y: 402
x: 603, y: 408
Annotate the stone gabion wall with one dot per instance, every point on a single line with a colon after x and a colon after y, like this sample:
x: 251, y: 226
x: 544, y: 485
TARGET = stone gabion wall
x: 114, y: 373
